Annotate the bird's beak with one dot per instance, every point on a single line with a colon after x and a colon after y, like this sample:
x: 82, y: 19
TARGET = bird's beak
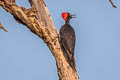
x: 73, y: 16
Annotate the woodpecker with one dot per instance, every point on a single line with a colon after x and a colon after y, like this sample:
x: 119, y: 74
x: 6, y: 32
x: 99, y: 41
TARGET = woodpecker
x: 67, y: 39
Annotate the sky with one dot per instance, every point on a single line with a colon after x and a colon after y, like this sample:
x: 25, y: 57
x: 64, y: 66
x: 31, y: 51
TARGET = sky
x: 24, y: 56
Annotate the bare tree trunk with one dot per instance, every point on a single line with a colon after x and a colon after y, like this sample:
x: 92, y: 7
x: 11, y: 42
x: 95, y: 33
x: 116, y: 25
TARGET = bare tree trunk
x: 38, y: 20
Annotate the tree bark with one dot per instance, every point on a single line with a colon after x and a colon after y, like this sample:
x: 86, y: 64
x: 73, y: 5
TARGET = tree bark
x: 38, y: 20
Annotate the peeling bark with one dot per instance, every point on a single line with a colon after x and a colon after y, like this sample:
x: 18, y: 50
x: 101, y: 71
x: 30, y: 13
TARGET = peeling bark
x: 38, y: 20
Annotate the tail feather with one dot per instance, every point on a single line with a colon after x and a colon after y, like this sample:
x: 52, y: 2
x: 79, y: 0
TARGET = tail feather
x: 71, y: 60
x: 72, y: 63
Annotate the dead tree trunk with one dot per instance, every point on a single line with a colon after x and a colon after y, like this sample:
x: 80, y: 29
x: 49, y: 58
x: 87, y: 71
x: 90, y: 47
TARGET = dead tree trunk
x: 38, y: 20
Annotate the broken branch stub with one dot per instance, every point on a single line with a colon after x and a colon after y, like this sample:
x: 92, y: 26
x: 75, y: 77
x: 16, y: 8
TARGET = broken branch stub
x: 1, y: 27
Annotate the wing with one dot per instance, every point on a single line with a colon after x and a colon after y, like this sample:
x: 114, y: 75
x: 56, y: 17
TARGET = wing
x: 68, y: 53
x: 67, y: 36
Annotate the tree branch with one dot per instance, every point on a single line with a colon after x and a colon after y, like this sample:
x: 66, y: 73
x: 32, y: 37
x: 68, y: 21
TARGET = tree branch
x: 112, y: 4
x: 38, y: 20
x: 3, y: 27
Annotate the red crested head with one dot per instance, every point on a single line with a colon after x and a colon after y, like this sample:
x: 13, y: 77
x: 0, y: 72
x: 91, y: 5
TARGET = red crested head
x: 65, y: 15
